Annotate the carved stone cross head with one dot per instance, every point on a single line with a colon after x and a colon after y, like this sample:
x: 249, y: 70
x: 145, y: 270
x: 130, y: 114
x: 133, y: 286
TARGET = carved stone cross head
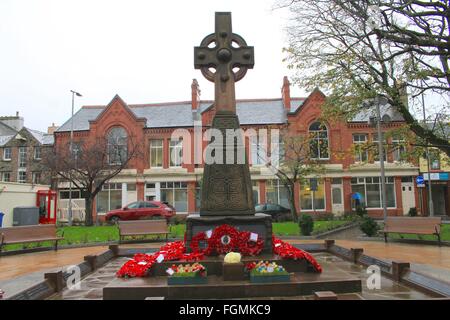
x: 223, y: 51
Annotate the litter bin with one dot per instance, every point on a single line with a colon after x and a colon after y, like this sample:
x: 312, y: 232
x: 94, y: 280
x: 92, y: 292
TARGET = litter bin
x: 1, y: 219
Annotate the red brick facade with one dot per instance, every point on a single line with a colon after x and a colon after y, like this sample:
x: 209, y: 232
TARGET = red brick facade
x: 339, y: 166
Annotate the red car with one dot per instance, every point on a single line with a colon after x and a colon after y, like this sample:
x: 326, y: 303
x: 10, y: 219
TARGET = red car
x: 142, y: 210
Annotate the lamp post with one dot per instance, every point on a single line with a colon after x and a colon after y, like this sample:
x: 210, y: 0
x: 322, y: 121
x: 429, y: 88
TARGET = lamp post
x: 430, y: 199
x: 74, y: 93
x: 378, y: 102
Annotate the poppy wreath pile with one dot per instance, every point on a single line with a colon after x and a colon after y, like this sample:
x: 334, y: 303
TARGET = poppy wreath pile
x: 238, y: 241
x: 288, y: 251
x: 141, y: 263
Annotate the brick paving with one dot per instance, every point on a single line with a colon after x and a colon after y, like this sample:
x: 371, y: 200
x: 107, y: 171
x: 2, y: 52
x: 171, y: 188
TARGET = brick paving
x: 22, y: 270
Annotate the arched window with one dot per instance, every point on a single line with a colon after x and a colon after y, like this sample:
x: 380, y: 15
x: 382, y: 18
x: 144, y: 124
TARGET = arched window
x: 117, y: 140
x: 318, y: 141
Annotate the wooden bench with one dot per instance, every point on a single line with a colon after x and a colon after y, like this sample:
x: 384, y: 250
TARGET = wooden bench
x: 142, y: 227
x: 413, y: 225
x: 27, y: 234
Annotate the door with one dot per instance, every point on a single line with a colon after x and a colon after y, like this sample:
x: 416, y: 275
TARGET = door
x: 439, y: 194
x: 408, y: 199
x: 337, y: 199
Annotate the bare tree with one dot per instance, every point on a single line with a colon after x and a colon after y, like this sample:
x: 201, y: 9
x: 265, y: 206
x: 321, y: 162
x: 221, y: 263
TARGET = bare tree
x: 292, y: 162
x: 92, y: 164
x: 358, y: 49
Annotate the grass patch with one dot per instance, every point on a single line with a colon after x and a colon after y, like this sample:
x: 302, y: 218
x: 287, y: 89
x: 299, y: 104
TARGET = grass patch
x: 79, y: 235
x: 292, y: 228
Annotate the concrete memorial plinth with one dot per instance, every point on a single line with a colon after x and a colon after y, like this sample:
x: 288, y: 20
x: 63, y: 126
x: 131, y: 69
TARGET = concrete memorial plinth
x: 227, y: 196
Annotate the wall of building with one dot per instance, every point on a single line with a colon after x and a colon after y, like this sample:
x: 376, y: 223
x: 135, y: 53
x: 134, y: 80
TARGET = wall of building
x: 340, y: 165
x: 33, y: 165
x: 16, y: 195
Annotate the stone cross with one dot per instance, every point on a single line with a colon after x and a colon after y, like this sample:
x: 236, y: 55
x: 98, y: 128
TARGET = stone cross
x: 229, y: 56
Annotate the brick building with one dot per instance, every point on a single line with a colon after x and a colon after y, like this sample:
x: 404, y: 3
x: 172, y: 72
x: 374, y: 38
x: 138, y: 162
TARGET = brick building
x: 21, y: 150
x: 439, y: 172
x: 158, y: 176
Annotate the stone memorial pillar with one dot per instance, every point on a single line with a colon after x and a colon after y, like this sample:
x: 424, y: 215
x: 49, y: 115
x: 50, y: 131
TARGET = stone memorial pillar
x: 227, y: 196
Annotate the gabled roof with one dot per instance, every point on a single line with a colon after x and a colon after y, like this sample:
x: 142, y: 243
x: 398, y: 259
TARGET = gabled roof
x: 179, y: 114
x: 365, y: 114
x: 42, y: 137
x: 5, y: 139
x: 6, y: 130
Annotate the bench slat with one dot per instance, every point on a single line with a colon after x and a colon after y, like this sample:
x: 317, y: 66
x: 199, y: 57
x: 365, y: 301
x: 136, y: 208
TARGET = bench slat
x: 413, y: 225
x: 33, y: 240
x: 143, y: 227
x: 29, y: 232
x: 141, y: 233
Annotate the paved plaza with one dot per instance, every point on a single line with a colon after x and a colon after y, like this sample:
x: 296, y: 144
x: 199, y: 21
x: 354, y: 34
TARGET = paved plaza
x: 20, y: 271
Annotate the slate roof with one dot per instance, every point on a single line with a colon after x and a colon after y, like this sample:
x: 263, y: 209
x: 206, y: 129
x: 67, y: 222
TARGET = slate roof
x: 42, y: 137
x: 365, y: 114
x: 4, y: 139
x: 6, y: 130
x: 179, y: 114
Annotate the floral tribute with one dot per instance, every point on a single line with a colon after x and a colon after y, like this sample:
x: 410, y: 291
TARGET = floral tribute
x: 188, y: 270
x: 141, y: 263
x: 288, y: 251
x: 226, y: 238
x: 221, y: 240
x: 265, y: 268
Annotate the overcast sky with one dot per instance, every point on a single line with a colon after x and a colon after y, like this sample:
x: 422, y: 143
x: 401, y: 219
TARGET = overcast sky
x: 139, y: 49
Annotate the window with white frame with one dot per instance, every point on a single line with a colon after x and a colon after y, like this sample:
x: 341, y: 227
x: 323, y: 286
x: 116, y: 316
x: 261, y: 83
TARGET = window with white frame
x: 117, y: 140
x: 37, y: 153
x: 175, y: 194
x: 6, y: 176
x: 318, y: 134
x: 276, y: 193
x: 376, y: 156
x: 76, y: 194
x: 312, y: 195
x: 110, y: 197
x: 156, y: 153
x: 36, y: 177
x: 22, y: 176
x: 22, y: 157
x: 176, y: 153
x: 435, y: 159
x: 360, y: 141
x: 370, y: 190
x: 7, y: 154
x: 277, y: 150
x: 398, y: 148
x: 258, y: 150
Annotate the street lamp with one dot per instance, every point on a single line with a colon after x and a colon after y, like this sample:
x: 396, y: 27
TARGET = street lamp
x: 74, y: 93
x: 380, y: 100
x: 430, y: 198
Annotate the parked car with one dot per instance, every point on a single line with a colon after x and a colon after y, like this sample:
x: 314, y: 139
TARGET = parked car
x: 142, y: 210
x: 278, y: 213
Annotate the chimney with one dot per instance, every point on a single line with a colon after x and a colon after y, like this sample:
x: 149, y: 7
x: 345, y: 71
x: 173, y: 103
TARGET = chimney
x: 16, y: 122
x: 195, y: 94
x: 286, y: 94
x: 52, y: 128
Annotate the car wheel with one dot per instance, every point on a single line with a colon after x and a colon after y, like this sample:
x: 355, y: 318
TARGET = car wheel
x: 114, y: 219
